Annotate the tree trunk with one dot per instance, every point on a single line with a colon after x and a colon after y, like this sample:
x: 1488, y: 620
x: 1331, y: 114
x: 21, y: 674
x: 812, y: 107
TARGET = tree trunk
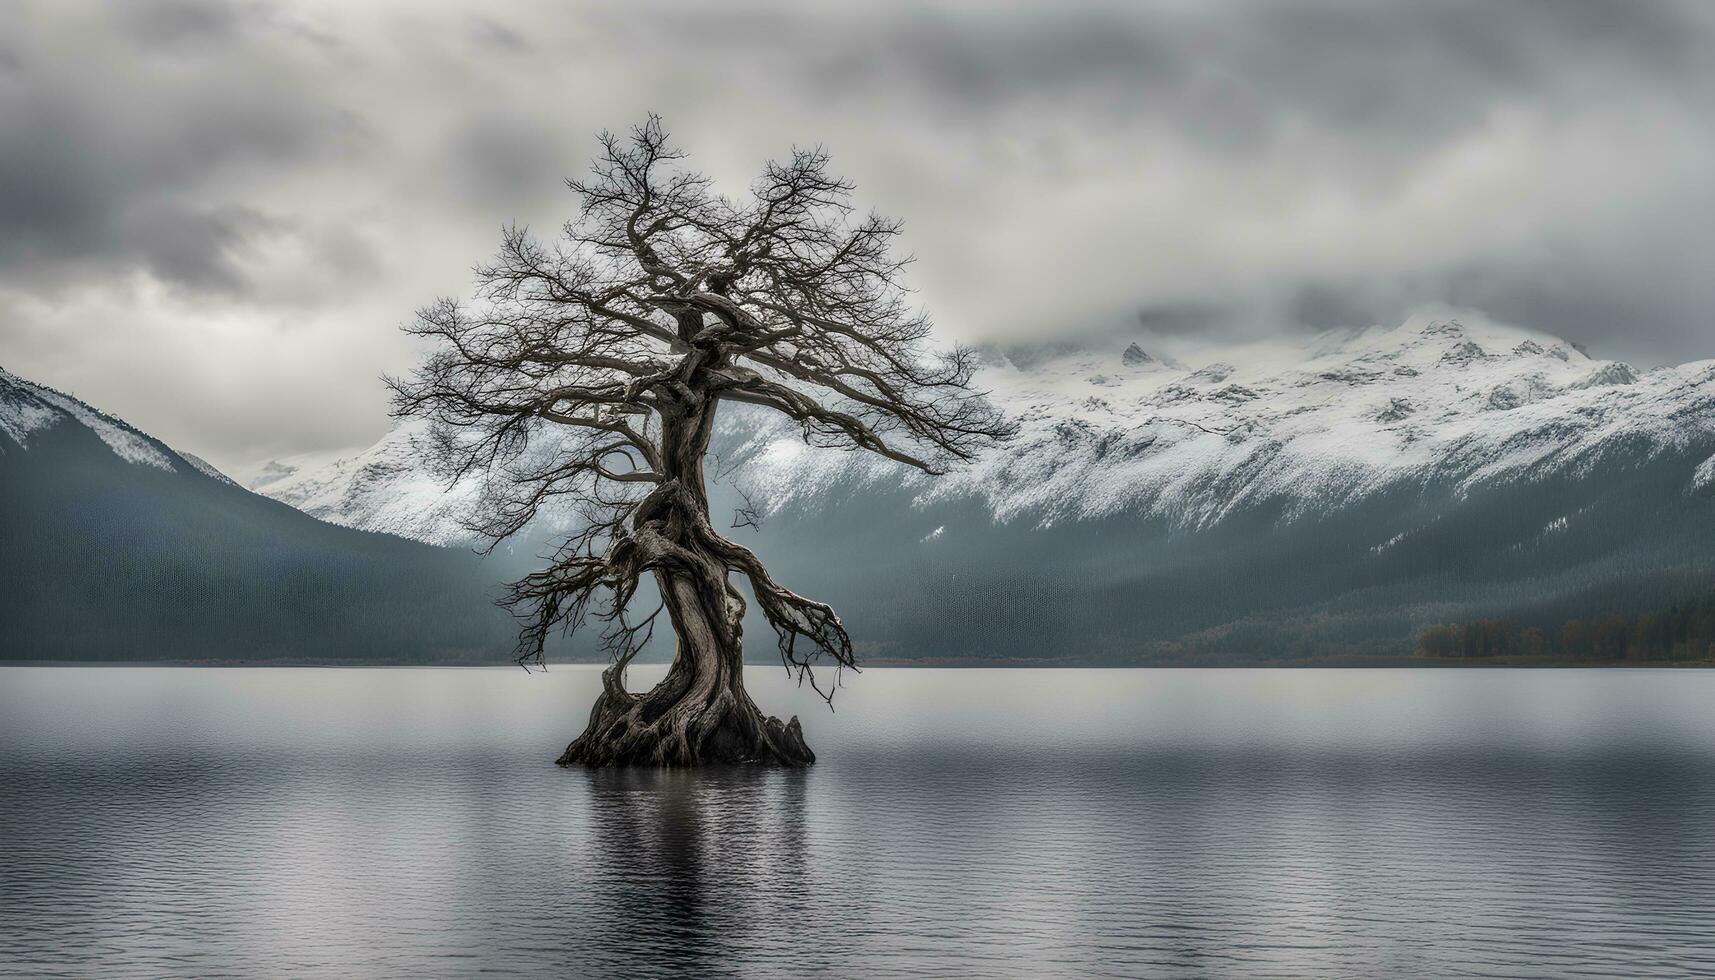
x: 700, y: 713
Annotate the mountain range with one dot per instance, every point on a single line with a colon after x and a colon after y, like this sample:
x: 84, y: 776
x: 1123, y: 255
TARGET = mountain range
x: 1286, y: 499
x: 1334, y: 494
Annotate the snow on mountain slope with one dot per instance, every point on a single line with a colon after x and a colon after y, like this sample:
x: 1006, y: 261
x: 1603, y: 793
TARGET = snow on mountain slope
x: 207, y: 468
x: 1463, y: 402
x: 1314, y: 427
x: 383, y: 489
x: 27, y: 408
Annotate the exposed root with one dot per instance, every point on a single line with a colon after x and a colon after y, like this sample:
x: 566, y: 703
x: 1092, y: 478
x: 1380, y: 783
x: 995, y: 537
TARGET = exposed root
x: 669, y: 727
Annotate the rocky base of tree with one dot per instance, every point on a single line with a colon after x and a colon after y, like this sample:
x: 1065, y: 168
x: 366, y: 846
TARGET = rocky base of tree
x: 659, y: 729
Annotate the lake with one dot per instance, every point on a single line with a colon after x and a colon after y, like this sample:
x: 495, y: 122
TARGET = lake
x: 1178, y: 823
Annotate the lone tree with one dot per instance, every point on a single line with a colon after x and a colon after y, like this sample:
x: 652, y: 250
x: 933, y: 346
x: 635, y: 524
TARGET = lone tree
x: 590, y: 371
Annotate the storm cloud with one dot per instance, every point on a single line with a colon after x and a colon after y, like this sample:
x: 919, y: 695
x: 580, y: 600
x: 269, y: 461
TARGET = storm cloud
x: 214, y: 215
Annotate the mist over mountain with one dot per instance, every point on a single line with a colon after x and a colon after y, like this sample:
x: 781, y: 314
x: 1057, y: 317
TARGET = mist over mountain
x: 114, y: 546
x: 1331, y: 495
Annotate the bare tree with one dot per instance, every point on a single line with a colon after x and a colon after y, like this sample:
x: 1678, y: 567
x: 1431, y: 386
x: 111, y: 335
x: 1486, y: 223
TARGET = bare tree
x: 659, y: 302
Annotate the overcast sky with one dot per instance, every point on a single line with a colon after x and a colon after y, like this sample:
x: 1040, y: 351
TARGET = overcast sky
x: 214, y: 216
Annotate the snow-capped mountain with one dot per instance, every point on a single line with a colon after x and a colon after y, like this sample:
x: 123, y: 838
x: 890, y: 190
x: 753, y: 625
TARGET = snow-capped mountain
x: 386, y: 488
x: 1312, y: 429
x: 28, y: 409
x: 115, y: 546
x: 1351, y: 415
x: 1335, y: 493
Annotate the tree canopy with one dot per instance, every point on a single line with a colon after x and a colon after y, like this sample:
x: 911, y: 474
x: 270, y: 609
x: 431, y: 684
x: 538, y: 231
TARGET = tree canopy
x: 588, y: 369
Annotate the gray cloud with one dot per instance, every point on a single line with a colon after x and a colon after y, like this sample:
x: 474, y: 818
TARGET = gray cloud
x: 498, y: 36
x: 494, y: 155
x: 171, y: 23
x: 213, y: 215
x: 117, y: 160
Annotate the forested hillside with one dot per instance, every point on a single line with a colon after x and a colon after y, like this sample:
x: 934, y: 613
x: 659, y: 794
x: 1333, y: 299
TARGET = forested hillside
x: 113, y: 547
x: 1682, y: 632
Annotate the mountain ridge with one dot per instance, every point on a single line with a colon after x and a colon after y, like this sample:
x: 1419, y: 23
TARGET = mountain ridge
x: 114, y: 546
x: 1361, y: 413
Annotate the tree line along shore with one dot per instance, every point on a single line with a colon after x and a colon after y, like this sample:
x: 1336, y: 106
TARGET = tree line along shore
x: 1681, y: 633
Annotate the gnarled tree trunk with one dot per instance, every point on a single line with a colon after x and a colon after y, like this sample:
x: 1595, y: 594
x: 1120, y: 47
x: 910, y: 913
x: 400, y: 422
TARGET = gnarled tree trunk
x: 700, y: 713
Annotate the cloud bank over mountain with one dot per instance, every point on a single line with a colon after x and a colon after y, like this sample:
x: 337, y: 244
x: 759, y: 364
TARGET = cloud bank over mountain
x: 213, y: 215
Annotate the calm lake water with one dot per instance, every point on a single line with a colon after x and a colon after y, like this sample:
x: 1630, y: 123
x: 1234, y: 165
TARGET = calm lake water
x: 1182, y: 823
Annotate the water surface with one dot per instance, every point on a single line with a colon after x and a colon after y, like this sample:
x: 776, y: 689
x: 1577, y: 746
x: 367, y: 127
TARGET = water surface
x: 1182, y: 823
